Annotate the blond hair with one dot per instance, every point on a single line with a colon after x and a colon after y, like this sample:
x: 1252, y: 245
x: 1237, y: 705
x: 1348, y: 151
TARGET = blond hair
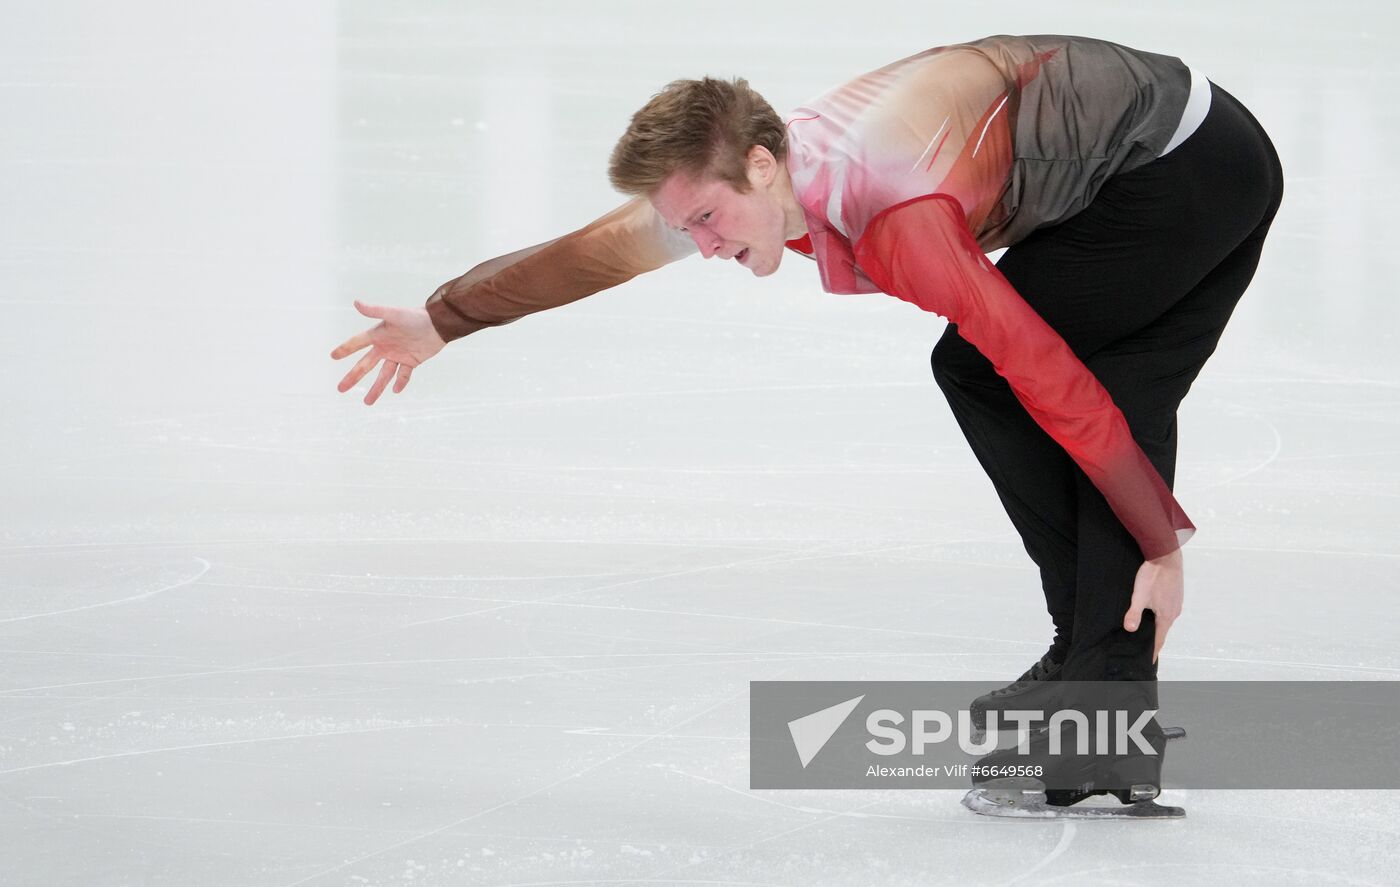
x: 703, y: 128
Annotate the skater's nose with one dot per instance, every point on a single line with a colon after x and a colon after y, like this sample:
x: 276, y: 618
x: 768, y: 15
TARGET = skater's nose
x: 708, y: 243
x: 706, y: 239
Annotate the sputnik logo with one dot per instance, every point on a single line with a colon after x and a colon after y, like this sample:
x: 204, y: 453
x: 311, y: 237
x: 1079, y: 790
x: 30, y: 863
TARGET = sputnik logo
x: 811, y: 732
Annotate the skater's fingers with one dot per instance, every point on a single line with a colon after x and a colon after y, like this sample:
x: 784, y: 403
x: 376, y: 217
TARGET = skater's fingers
x: 1163, y: 626
x: 386, y: 373
x: 351, y: 345
x: 369, y: 310
x: 401, y: 382
x: 1133, y: 618
x: 357, y: 372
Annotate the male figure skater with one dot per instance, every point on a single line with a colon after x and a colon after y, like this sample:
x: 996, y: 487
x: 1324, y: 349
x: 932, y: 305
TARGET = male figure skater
x: 1134, y: 196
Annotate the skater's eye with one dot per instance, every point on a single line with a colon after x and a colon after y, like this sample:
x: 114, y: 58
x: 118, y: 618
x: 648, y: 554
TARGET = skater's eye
x: 703, y: 218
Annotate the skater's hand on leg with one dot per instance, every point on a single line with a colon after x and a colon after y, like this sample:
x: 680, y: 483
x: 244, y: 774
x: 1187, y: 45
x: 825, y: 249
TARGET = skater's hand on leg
x: 1158, y: 587
x: 404, y: 338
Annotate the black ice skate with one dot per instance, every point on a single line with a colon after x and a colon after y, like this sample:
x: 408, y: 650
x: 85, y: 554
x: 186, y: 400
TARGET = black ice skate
x: 1034, y: 690
x: 1041, y: 785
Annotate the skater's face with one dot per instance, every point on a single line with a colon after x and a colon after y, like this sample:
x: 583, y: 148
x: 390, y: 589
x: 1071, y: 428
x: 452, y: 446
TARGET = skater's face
x: 749, y: 227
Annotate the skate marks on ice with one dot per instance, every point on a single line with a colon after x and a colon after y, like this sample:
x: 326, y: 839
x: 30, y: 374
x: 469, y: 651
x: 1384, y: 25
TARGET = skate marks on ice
x: 204, y: 566
x: 511, y: 802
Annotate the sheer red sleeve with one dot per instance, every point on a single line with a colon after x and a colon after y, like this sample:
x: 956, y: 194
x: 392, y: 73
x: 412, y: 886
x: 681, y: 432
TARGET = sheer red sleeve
x: 923, y: 252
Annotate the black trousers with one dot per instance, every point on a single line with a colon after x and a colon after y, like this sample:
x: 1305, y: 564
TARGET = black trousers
x: 1140, y: 284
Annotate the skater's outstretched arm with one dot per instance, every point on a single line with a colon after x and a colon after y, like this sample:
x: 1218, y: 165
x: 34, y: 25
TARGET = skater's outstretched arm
x: 613, y: 249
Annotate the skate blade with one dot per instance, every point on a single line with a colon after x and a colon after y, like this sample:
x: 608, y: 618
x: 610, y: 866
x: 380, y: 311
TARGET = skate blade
x: 1030, y: 804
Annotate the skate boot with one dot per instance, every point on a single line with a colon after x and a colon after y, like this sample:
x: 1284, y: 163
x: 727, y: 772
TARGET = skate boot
x: 1042, y: 784
x: 1033, y: 690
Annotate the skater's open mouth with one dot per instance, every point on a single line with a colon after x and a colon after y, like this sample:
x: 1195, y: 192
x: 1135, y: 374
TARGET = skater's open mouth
x: 739, y: 256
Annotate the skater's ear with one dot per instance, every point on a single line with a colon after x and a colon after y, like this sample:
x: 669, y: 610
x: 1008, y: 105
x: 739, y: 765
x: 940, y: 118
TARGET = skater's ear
x: 761, y: 167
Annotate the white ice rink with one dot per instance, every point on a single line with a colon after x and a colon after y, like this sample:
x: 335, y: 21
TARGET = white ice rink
x: 499, y: 629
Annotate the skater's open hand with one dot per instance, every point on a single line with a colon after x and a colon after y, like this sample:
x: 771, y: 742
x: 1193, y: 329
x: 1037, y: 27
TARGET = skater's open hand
x: 404, y: 338
x: 1158, y: 587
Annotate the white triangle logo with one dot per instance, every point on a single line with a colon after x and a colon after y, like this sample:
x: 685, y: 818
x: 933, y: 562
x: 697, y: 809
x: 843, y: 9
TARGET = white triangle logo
x: 811, y: 732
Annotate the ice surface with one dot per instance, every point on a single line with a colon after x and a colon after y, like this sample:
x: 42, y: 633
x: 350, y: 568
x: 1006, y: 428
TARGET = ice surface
x: 499, y: 629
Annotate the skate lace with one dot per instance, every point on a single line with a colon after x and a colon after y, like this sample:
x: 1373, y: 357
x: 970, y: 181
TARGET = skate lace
x: 1038, y: 672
